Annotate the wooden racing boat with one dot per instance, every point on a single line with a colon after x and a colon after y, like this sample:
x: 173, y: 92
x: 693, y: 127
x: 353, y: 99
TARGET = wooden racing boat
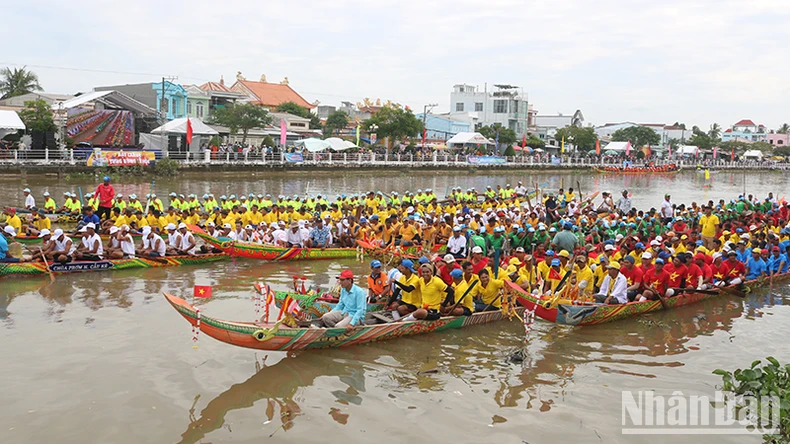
x: 592, y: 314
x: 275, y: 336
x: 269, y: 252
x: 316, y: 305
x: 28, y: 240
x: 54, y: 217
x: 634, y: 170
x: 26, y: 269
x: 395, y: 252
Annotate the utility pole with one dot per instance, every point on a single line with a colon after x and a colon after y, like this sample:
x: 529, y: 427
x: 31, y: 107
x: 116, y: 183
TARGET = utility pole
x: 163, y: 105
x: 425, y: 119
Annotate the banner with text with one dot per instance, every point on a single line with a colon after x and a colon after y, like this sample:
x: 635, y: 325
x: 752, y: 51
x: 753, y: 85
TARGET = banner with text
x: 486, y: 160
x: 294, y: 157
x: 121, y: 158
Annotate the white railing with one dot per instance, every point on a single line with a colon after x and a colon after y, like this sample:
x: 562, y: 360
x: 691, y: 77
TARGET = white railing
x: 435, y: 159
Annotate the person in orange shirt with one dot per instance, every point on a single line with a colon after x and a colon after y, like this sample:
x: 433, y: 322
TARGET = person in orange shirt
x: 378, y: 290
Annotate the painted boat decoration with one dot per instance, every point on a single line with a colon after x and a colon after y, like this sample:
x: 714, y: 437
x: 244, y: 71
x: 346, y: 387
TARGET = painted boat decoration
x: 26, y: 269
x: 314, y: 305
x: 634, y: 170
x: 271, y: 253
x: 277, y: 337
x: 592, y: 314
x: 62, y: 218
x: 32, y: 240
x: 393, y: 252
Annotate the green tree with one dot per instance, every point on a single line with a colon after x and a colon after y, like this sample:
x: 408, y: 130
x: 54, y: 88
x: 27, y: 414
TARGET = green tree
x: 268, y: 141
x: 674, y: 143
x: 298, y: 110
x: 715, y: 131
x: 582, y: 138
x: 679, y: 125
x: 702, y: 140
x: 784, y: 129
x: 17, y: 82
x: 37, y: 116
x: 509, y: 151
x: 534, y: 141
x: 335, y: 122
x: 241, y: 116
x: 506, y: 135
x: 782, y: 151
x: 638, y: 135
x: 737, y: 145
x: 394, y: 122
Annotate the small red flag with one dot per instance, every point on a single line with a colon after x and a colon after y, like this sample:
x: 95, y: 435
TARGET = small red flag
x: 202, y: 291
x: 189, y: 131
x: 597, y: 147
x: 424, y: 136
x: 732, y: 155
x: 523, y: 142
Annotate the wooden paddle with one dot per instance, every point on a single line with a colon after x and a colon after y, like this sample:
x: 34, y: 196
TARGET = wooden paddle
x: 49, y: 270
x: 463, y: 296
x: 733, y: 291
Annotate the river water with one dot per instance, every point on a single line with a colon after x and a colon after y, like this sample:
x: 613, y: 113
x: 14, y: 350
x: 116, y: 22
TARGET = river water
x: 102, y: 357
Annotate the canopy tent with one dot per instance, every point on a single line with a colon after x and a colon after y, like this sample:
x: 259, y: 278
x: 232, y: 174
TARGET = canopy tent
x: 112, y: 98
x: 339, y: 144
x: 10, y: 123
x: 687, y: 149
x: 313, y: 144
x: 179, y: 126
x: 616, y: 146
x: 468, y: 138
x: 753, y: 154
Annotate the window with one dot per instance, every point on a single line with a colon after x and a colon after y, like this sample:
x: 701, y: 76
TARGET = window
x: 189, y: 107
x: 500, y: 106
x: 478, y: 106
x: 298, y: 124
x: 459, y: 106
x: 198, y: 109
x: 174, y: 106
x: 779, y: 141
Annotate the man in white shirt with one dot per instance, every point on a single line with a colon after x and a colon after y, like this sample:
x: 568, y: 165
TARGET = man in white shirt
x: 614, y: 288
x: 520, y: 190
x: 153, y: 244
x: 667, y: 210
x: 30, y: 201
x: 279, y: 235
x: 456, y: 245
x: 188, y: 245
x: 91, y: 248
x: 173, y: 240
x: 294, y: 236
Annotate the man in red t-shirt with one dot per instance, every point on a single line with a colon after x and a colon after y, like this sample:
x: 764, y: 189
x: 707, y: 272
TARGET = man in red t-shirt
x: 718, y: 269
x: 733, y: 269
x: 105, y: 193
x: 449, y: 265
x: 701, y: 262
x: 647, y: 262
x: 633, y: 275
x: 677, y: 271
x: 655, y: 281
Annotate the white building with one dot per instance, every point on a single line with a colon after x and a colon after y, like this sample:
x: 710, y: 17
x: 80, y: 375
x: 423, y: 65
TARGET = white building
x: 665, y: 132
x: 503, y: 104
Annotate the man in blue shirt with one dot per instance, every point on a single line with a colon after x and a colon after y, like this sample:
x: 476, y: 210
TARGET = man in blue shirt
x: 777, y: 263
x: 319, y: 235
x: 756, y: 266
x: 8, y: 232
x: 88, y: 218
x: 352, y: 306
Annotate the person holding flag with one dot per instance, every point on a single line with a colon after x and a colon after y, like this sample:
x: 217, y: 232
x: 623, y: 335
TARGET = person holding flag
x: 351, y: 308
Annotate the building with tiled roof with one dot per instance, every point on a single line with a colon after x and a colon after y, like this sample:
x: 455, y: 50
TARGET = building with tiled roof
x: 269, y: 95
x: 745, y: 130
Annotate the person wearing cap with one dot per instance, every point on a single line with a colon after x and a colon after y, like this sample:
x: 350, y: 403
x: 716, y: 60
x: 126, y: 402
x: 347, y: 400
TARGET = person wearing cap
x: 91, y: 248
x: 656, y: 282
x: 293, y: 237
x: 153, y: 244
x: 106, y: 194
x: 700, y: 275
x: 614, y: 287
x: 407, y: 296
x: 554, y: 274
x: 113, y: 248
x: 449, y: 263
x: 173, y: 240
x: 378, y: 290
x: 585, y: 280
x: 5, y: 256
x: 457, y: 244
x: 633, y: 276
x: 13, y: 220
x: 30, y: 201
x: 188, y: 246
x: 47, y: 245
x: 351, y: 308
x: 49, y: 203
x: 434, y: 292
x: 678, y: 271
x: 319, y: 235
x: 755, y: 266
x: 63, y: 247
x: 624, y: 204
x: 777, y: 263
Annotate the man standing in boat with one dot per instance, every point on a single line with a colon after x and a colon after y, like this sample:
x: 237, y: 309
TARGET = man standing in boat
x: 350, y: 309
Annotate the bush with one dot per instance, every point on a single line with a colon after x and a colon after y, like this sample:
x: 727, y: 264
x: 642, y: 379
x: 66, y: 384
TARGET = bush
x: 165, y: 168
x: 509, y: 151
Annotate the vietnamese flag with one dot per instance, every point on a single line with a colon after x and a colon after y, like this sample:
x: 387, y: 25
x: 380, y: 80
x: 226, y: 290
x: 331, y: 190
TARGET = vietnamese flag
x: 732, y: 155
x: 202, y: 291
x: 598, y: 147
x: 523, y: 142
x: 189, y: 131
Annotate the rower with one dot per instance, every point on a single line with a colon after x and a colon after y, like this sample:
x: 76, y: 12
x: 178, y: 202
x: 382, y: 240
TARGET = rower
x: 5, y: 256
x: 378, y: 290
x: 434, y: 291
x: 127, y: 242
x: 173, y: 240
x: 656, y: 282
x: 30, y: 201
x: 13, y: 220
x: 64, y: 247
x: 47, y: 245
x: 113, y: 250
x: 49, y: 203
x: 487, y: 292
x: 90, y: 249
x: 40, y: 222
x: 153, y: 245
x: 407, y: 297
x: 614, y: 286
x: 188, y: 244
x: 351, y: 308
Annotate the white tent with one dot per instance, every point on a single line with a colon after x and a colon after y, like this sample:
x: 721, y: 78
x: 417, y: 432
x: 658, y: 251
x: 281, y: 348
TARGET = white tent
x: 313, y: 144
x: 339, y: 144
x: 464, y: 138
x: 615, y: 146
x: 10, y: 123
x: 753, y: 154
x: 687, y: 149
x: 179, y: 126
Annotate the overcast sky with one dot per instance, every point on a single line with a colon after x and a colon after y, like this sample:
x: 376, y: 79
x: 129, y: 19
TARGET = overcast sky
x: 691, y: 61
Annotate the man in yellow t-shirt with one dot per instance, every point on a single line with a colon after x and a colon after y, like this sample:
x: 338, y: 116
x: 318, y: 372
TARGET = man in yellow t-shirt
x: 408, y: 287
x: 709, y: 223
x: 462, y: 281
x: 407, y: 232
x: 487, y: 291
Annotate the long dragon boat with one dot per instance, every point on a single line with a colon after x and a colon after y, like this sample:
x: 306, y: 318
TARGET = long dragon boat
x: 397, y: 252
x: 32, y: 240
x: 26, y: 269
x: 591, y: 314
x: 269, y: 252
x: 636, y: 170
x: 276, y: 337
x: 316, y: 305
x: 54, y: 217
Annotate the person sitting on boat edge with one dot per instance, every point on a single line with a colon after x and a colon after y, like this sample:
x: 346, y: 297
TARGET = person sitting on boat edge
x: 5, y: 257
x: 486, y: 293
x: 351, y: 307
x: 378, y: 290
x: 91, y: 248
x: 614, y: 287
x: 407, y: 296
x: 433, y: 291
x: 462, y: 280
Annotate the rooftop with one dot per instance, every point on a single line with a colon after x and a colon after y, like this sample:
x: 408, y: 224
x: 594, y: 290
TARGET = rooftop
x: 274, y: 94
x: 745, y: 122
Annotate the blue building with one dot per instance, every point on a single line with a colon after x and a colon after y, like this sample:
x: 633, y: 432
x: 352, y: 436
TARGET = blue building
x: 441, y: 128
x: 745, y: 130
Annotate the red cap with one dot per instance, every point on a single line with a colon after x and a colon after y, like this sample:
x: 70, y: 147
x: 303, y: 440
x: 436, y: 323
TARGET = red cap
x: 699, y: 256
x: 775, y: 248
x: 11, y: 210
x: 764, y: 251
x: 346, y: 274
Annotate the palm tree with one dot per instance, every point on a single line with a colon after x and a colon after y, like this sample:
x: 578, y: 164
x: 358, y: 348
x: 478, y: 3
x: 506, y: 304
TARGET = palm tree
x: 715, y: 131
x: 784, y: 129
x: 17, y: 82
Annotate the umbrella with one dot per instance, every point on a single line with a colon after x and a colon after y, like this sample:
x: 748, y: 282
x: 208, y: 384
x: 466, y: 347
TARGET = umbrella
x: 611, y: 152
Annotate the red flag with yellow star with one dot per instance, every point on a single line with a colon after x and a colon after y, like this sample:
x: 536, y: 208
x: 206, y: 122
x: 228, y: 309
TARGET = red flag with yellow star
x: 202, y: 291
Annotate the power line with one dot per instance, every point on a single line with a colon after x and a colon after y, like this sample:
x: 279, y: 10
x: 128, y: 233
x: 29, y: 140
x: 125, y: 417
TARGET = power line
x: 82, y: 69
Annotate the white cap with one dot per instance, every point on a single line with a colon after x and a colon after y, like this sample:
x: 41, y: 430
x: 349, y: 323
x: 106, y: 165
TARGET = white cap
x: 449, y: 258
x: 210, y: 224
x: 83, y: 229
x: 90, y: 225
x: 647, y: 255
x: 226, y: 226
x: 146, y: 229
x: 477, y: 249
x: 44, y: 232
x: 608, y: 247
x: 58, y: 232
x: 618, y: 238
x: 46, y: 193
x: 26, y: 190
x: 119, y: 195
x: 248, y: 227
x: 659, y: 238
x: 182, y: 225
x: 410, y: 210
x: 113, y: 229
x: 125, y: 227
x: 654, y: 243
x: 170, y: 226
